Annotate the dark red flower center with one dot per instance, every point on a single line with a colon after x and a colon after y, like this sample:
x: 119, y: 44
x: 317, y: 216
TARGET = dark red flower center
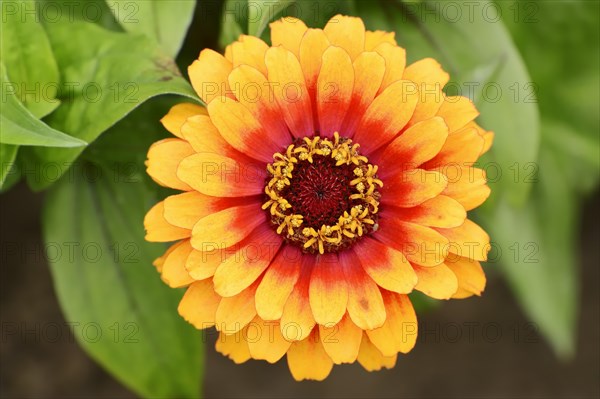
x: 320, y: 191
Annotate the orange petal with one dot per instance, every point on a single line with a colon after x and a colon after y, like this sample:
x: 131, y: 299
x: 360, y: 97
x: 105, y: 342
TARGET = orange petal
x: 488, y: 138
x: 387, y: 267
x: 401, y: 322
x: 235, y: 312
x: 328, y: 291
x: 438, y: 282
x: 313, y: 45
x: 227, y: 227
x: 308, y: 360
x: 457, y: 111
x: 399, y: 333
x: 297, y: 320
x: 203, y: 264
x: 185, y: 209
x: 470, y: 275
x: 468, y: 240
x: 421, y: 245
x: 371, y: 358
x: 158, y: 229
x: 249, y: 50
x: 418, y: 144
x: 412, y: 187
x: 199, y: 304
x: 342, y: 341
x: 265, y: 340
x: 288, y: 32
x: 234, y: 346
x: 369, y: 68
x: 347, y: 33
x: 461, y: 148
x: 427, y: 71
x: 334, y: 90
x: 220, y: 176
x: 365, y: 305
x: 290, y: 92
x: 387, y: 115
x: 173, y: 271
x: 440, y: 211
x: 278, y: 283
x: 395, y: 61
x: 241, y: 130
x: 164, y: 157
x: 375, y: 38
x: 177, y: 115
x: 466, y: 185
x: 160, y: 261
x: 250, y: 258
x: 203, y: 136
x: 208, y: 75
x: 254, y: 92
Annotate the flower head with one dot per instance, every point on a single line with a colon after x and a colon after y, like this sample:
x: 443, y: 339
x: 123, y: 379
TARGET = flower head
x: 323, y: 182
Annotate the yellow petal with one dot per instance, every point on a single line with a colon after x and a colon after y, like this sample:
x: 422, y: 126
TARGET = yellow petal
x: 399, y: 332
x: 334, y: 90
x: 199, y: 304
x: 371, y: 358
x: 266, y: 341
x: 163, y: 160
x: 234, y: 346
x: 415, y: 146
x: 365, y: 304
x: 438, y: 282
x: 185, y: 209
x: 468, y: 240
x: 471, y: 279
x: 235, y: 312
x: 342, y: 341
x: 288, y: 32
x: 178, y: 114
x: 290, y: 92
x: 388, y: 267
x: 278, y: 282
x: 208, y: 75
x: 347, y: 33
x: 247, y: 261
x: 387, y: 115
x: 249, y: 50
x: 158, y: 229
x: 173, y: 271
x: 457, y: 111
x: 328, y: 292
x: 375, y: 38
x: 395, y: 61
x: 297, y: 320
x: 308, y: 360
x: 227, y: 227
x: 220, y: 176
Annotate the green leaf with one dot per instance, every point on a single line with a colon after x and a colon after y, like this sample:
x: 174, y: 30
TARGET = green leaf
x: 8, y: 155
x: 479, y: 53
x: 165, y: 21
x: 102, y: 268
x: 21, y: 127
x: 107, y: 74
x: 261, y: 12
x: 232, y: 23
x: 536, y: 252
x: 27, y: 56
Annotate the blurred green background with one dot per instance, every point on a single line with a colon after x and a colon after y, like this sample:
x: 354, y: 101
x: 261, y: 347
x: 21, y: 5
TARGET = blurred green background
x: 83, y: 87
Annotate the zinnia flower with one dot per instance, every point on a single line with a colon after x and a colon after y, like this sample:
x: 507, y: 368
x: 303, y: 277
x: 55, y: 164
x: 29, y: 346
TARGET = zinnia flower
x: 323, y: 182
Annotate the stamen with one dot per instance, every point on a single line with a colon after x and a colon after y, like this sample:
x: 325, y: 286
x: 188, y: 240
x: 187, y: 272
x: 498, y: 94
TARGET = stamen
x: 322, y: 194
